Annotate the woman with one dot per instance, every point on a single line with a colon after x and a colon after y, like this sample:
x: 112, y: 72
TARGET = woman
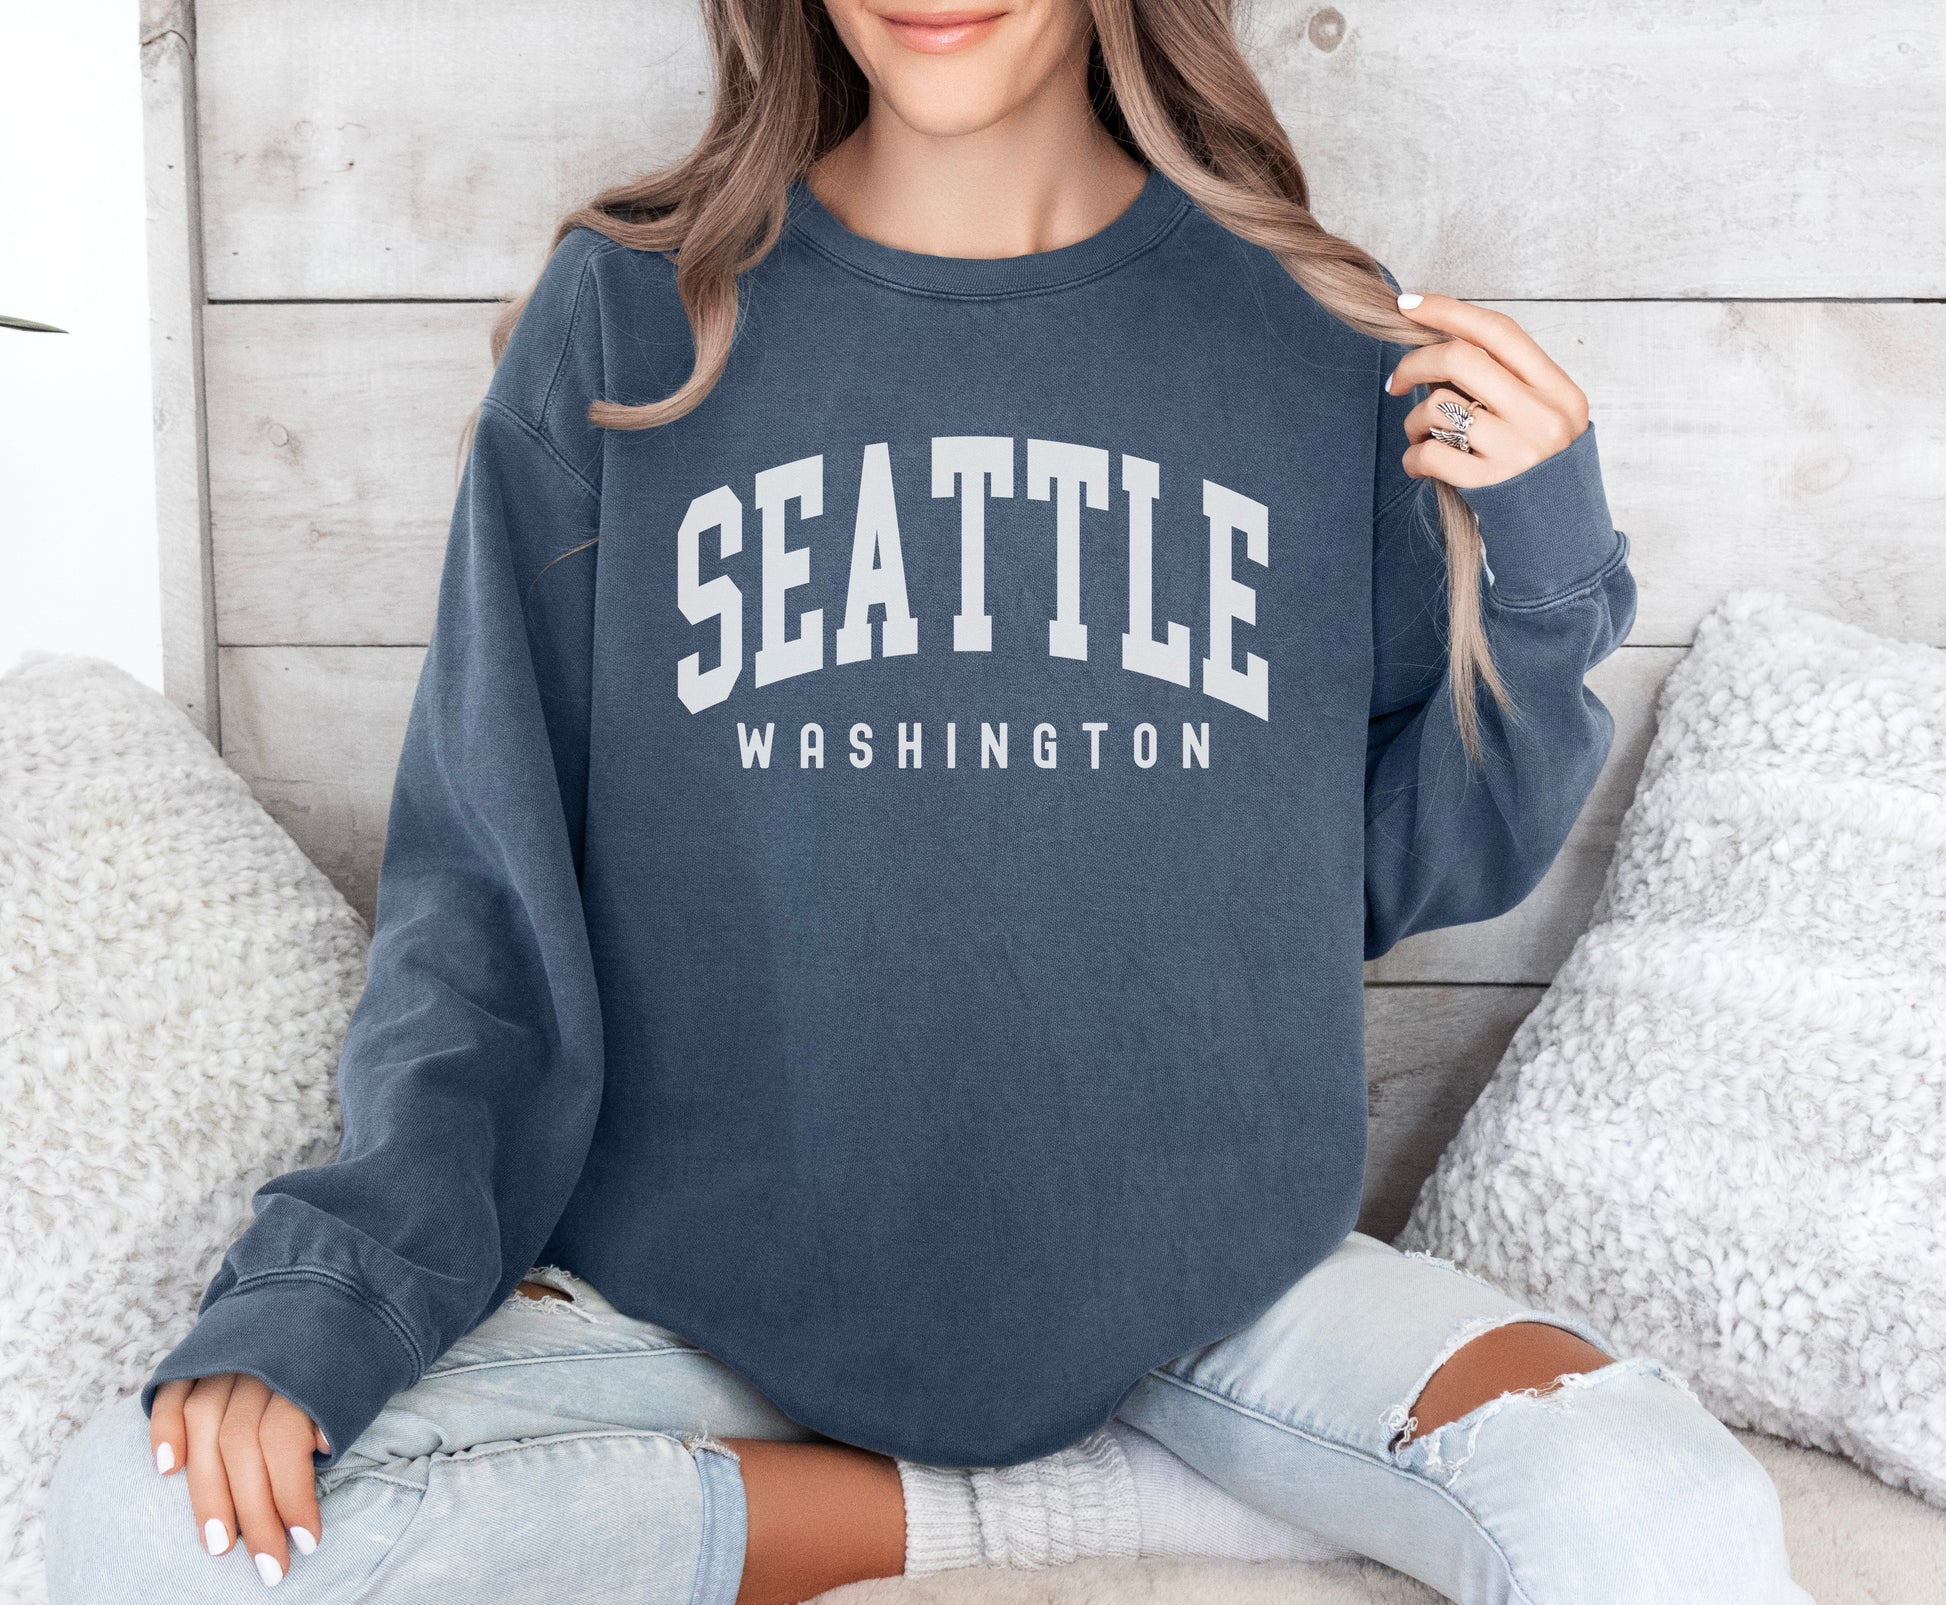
x: 900, y: 944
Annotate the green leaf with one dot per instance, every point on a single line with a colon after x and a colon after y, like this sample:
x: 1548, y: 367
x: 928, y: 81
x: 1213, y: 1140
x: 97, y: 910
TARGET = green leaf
x: 35, y: 328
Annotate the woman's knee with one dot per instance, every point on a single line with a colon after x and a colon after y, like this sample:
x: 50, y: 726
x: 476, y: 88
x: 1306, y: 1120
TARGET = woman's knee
x: 113, y: 1522
x: 1646, y: 1424
x: 1697, y: 1490
x: 101, y: 1467
x: 1518, y: 1356
x: 1616, y: 1485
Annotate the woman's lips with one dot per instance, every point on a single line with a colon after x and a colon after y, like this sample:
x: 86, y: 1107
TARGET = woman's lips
x: 937, y: 32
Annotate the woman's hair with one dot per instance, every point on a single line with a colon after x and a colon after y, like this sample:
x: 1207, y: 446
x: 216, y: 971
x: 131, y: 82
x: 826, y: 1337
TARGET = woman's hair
x: 1168, y: 82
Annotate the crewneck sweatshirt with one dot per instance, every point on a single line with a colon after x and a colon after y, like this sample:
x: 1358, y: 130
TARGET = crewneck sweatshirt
x: 880, y: 867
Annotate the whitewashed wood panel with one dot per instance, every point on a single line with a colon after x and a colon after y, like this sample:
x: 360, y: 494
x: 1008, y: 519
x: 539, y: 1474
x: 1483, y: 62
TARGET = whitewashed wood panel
x: 1784, y: 444
x: 333, y: 437
x: 316, y: 731
x: 1623, y: 148
x: 1531, y: 148
x: 175, y: 261
x: 1428, y: 1052
x: 427, y: 147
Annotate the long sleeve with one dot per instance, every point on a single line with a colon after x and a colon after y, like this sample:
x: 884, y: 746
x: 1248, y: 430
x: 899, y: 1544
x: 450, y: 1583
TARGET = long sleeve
x: 1449, y: 842
x: 471, y: 1074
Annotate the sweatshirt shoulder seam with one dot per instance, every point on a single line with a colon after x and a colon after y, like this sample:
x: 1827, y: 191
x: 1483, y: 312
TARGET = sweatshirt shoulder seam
x: 540, y: 438
x: 601, y: 248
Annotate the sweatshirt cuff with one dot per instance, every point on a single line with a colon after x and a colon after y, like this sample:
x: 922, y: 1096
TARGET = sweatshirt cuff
x: 1548, y: 530
x: 327, y: 1348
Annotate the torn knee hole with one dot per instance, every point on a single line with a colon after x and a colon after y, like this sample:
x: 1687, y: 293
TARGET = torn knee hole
x: 550, y: 1287
x: 1517, y: 1358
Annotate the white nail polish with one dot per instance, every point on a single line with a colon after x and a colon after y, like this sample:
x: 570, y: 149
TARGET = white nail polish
x: 302, y: 1541
x: 1390, y: 377
x: 1408, y: 300
x: 216, y: 1537
x: 165, y: 1458
x: 269, y: 1570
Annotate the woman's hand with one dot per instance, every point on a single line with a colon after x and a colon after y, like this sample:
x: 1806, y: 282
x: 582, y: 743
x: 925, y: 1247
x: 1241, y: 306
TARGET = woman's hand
x: 247, y: 1453
x: 1524, y: 407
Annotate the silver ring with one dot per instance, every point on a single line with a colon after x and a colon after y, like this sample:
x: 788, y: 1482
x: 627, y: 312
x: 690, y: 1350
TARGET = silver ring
x: 1463, y: 421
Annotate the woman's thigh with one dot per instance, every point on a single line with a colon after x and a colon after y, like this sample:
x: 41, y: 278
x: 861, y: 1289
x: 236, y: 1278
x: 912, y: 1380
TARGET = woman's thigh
x: 558, y: 1439
x: 1618, y: 1486
x: 543, y: 1366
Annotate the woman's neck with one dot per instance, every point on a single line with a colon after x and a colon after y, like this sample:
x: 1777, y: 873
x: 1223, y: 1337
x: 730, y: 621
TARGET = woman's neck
x: 1045, y: 176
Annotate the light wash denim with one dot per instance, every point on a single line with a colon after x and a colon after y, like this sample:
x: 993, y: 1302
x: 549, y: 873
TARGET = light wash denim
x: 566, y: 1452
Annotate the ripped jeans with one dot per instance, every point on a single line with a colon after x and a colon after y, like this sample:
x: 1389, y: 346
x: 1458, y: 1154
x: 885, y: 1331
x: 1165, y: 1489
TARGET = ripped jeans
x: 563, y: 1451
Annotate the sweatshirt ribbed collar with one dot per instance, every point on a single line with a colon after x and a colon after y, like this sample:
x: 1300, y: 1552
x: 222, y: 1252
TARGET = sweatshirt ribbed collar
x: 1156, y: 208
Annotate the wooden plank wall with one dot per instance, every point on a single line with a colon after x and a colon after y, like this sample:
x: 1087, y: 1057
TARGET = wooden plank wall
x: 175, y: 263
x: 1725, y: 220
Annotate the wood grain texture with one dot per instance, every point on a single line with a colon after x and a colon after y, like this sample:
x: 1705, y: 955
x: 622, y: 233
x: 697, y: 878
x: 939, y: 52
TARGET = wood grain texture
x: 1428, y: 1052
x: 316, y: 731
x: 334, y: 433
x: 175, y: 273
x: 1749, y: 443
x: 428, y: 147
x: 1622, y: 148
x: 1533, y: 148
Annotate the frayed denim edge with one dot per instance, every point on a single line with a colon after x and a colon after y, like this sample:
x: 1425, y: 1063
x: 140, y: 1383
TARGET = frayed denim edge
x: 725, y: 1524
x: 1558, y: 1395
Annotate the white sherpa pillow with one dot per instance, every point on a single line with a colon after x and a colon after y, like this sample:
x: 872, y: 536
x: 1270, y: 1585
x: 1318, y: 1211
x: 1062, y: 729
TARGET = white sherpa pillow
x: 175, y: 982
x: 1719, y: 1135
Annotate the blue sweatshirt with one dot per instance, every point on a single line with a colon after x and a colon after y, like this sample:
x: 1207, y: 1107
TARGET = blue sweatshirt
x: 880, y: 867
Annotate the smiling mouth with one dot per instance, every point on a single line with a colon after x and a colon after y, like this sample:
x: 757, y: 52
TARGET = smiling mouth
x: 937, y: 32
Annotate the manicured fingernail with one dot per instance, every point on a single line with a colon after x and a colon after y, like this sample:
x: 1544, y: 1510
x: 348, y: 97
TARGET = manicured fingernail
x: 269, y: 1570
x: 165, y: 1458
x: 1390, y: 377
x: 302, y: 1541
x: 1408, y: 300
x: 216, y: 1537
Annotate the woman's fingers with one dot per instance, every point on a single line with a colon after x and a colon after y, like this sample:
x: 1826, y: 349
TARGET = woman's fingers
x: 243, y: 1463
x: 1494, y: 443
x: 247, y: 1453
x: 1502, y: 338
x: 1470, y: 368
x: 209, y: 1488
x: 1498, y: 451
x: 1489, y: 434
x: 288, y: 1438
x: 1532, y: 408
x: 166, y: 1439
x: 1434, y: 459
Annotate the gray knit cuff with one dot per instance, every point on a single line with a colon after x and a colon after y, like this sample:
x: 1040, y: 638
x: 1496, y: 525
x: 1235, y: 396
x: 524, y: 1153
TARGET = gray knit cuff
x: 942, y: 1529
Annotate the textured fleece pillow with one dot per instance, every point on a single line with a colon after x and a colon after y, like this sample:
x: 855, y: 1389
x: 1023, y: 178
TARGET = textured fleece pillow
x: 1719, y: 1135
x: 175, y: 981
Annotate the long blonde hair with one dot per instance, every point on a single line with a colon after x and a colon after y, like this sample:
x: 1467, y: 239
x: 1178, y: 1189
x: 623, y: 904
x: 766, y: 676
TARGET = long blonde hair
x: 1168, y: 82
